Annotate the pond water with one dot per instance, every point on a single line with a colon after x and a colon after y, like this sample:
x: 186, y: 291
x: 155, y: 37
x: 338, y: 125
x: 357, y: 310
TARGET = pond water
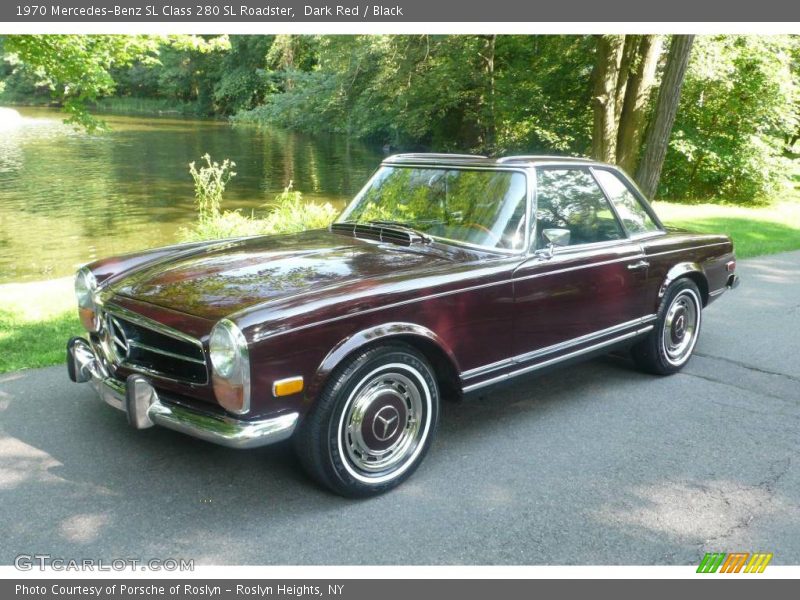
x: 68, y: 197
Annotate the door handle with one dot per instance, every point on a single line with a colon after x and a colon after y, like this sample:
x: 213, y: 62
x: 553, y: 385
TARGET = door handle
x: 642, y: 264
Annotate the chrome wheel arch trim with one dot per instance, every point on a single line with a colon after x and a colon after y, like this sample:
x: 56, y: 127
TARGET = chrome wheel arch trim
x: 395, y: 330
x: 679, y: 270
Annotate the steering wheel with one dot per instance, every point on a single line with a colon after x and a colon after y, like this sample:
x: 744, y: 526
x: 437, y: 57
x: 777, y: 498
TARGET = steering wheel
x: 495, y: 238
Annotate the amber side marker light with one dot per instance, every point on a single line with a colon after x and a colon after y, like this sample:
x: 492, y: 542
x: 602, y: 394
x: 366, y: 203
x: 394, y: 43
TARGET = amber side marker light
x: 287, y: 387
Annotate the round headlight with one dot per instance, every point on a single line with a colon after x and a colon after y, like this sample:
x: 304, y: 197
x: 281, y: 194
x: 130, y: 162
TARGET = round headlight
x: 230, y: 364
x: 85, y: 286
x: 227, y: 347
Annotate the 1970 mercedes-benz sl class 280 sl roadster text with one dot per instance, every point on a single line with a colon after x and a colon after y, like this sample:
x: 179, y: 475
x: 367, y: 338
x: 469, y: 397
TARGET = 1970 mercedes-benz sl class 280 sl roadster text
x: 445, y: 274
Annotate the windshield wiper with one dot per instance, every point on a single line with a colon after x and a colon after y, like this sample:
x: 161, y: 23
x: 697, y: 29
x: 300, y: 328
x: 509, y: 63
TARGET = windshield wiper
x: 403, y: 227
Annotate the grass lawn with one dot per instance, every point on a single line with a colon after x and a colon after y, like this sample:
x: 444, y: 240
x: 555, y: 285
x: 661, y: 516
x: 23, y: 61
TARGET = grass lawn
x: 755, y: 231
x: 37, y: 319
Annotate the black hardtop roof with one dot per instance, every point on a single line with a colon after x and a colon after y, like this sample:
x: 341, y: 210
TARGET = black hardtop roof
x: 442, y: 159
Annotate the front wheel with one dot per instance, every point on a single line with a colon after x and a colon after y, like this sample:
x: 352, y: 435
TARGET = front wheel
x: 671, y: 342
x: 372, y: 424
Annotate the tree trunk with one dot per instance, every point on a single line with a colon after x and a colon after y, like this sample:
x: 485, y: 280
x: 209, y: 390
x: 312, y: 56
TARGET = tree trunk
x: 669, y: 95
x: 488, y: 100
x: 629, y: 59
x: 610, y: 50
x: 634, y: 109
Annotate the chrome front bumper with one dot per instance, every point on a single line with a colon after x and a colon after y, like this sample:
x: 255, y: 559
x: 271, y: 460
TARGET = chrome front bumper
x: 138, y: 399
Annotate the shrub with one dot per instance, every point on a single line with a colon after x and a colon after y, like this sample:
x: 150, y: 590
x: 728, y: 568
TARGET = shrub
x: 287, y: 214
x: 209, y: 185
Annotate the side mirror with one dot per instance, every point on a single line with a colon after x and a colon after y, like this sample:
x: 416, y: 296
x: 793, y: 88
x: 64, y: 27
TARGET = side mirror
x: 556, y: 237
x: 553, y: 237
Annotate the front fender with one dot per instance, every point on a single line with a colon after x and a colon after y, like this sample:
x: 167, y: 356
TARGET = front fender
x: 386, y: 331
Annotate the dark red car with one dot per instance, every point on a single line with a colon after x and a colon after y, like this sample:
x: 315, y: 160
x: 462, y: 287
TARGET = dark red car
x: 446, y: 274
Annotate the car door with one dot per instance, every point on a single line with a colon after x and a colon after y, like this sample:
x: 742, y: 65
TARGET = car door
x: 589, y: 290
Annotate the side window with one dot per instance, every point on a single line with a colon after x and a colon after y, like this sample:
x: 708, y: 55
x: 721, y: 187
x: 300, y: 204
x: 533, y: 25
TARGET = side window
x: 571, y: 199
x: 634, y: 216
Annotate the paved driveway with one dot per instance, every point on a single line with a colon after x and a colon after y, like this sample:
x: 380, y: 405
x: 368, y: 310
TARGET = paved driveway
x: 596, y: 464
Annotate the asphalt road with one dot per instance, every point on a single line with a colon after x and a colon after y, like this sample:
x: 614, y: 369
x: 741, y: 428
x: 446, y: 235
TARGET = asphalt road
x: 594, y: 464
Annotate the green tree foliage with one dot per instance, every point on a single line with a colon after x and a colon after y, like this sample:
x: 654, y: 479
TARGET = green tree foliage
x: 739, y: 100
x: 467, y: 92
x: 186, y: 70
x: 75, y: 68
x: 494, y: 94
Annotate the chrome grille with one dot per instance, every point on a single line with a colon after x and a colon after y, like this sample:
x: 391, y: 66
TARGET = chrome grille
x: 117, y: 337
x: 137, y: 343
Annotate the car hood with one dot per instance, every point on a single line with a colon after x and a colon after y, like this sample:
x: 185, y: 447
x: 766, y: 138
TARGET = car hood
x: 215, y: 281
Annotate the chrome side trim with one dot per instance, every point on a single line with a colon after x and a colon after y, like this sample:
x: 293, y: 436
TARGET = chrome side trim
x: 270, y: 334
x: 687, y: 249
x: 366, y: 311
x: 558, y: 359
x: 488, y: 368
x: 135, y: 344
x: 578, y: 267
x: 465, y: 289
x: 730, y: 284
x: 589, y: 337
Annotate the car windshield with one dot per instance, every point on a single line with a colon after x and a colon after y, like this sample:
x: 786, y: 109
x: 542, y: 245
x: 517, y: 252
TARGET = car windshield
x: 481, y: 207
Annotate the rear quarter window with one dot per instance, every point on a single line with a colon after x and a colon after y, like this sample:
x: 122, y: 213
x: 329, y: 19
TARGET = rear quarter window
x: 634, y: 216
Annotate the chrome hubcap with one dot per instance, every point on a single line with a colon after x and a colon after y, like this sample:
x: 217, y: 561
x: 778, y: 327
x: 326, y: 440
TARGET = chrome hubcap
x: 680, y: 327
x: 382, y: 423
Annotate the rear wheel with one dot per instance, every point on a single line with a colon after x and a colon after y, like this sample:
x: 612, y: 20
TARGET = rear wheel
x: 372, y: 424
x: 671, y: 342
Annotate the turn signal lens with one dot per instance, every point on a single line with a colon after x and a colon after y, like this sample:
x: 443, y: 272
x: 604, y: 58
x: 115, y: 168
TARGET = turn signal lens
x: 88, y: 318
x: 85, y: 288
x: 229, y: 395
x: 287, y: 387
